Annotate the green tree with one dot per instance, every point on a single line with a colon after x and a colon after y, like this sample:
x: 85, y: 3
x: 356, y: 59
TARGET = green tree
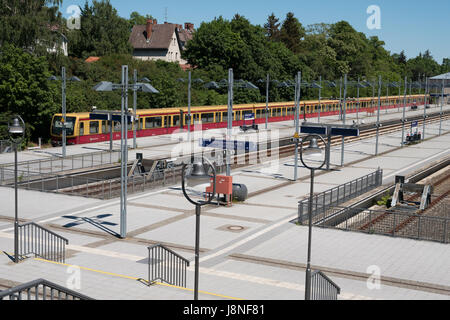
x: 25, y: 90
x: 292, y: 32
x: 137, y: 19
x: 33, y: 25
x: 272, y: 27
x: 102, y: 32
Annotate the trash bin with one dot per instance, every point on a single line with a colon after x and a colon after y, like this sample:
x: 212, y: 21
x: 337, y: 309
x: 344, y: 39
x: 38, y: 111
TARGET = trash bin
x: 240, y: 192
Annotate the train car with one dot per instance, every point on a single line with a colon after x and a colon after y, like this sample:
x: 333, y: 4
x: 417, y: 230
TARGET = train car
x: 80, y: 129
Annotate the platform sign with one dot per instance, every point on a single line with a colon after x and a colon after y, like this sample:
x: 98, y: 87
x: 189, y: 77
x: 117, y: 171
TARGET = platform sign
x: 313, y: 130
x: 249, y: 116
x: 228, y: 145
x: 414, y: 124
x: 345, y: 132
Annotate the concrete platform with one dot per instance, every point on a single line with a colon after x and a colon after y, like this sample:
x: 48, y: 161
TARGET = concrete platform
x: 272, y: 250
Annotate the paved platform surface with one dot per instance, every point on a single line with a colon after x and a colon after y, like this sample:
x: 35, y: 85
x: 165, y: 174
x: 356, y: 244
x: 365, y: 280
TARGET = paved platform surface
x: 264, y: 260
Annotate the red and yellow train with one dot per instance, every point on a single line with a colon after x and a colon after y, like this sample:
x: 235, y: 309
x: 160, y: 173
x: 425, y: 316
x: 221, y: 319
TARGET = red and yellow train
x: 80, y: 129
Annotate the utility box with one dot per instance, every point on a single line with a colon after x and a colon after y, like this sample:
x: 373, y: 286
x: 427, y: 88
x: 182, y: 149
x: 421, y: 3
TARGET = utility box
x: 224, y: 186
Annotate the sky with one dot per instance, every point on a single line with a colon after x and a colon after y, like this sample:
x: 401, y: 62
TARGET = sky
x: 410, y: 25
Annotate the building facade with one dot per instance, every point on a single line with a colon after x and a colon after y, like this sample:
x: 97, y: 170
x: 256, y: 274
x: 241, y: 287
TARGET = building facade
x: 165, y: 42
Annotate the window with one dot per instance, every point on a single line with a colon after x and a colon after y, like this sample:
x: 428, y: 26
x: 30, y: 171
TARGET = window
x: 81, y: 128
x: 207, y: 117
x: 116, y: 126
x: 175, y: 121
x: 153, y: 122
x: 105, y: 127
x: 93, y: 127
x: 57, y: 125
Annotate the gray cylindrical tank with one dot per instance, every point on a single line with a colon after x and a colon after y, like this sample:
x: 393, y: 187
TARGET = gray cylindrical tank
x: 240, y: 192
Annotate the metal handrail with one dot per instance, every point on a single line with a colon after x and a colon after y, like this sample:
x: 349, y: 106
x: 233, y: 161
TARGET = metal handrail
x: 322, y: 287
x: 170, y: 268
x: 342, y: 193
x: 16, y: 292
x: 41, y: 242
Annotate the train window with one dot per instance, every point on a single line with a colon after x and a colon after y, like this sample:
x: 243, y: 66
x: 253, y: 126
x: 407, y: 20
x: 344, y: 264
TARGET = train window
x: 175, y: 121
x: 104, y: 126
x: 81, y: 128
x: 153, y: 122
x: 116, y: 126
x: 57, y: 125
x: 290, y: 111
x: 93, y: 127
x: 207, y: 117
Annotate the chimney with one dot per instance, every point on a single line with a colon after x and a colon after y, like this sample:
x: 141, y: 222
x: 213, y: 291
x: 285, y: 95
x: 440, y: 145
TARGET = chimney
x: 189, y: 26
x: 149, y: 29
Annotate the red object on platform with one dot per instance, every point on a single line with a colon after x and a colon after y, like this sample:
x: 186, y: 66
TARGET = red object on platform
x: 224, y: 185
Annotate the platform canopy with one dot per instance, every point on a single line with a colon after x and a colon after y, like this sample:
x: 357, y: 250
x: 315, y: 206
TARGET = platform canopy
x: 445, y: 76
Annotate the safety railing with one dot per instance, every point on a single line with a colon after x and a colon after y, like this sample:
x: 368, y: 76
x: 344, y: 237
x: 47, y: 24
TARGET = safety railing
x: 323, y: 288
x: 59, y: 164
x: 41, y: 289
x: 43, y: 243
x: 323, y: 201
x: 166, y: 265
x: 393, y: 223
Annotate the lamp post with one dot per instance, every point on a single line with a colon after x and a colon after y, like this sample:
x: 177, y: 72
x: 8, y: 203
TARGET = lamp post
x: 16, y: 130
x: 135, y: 89
x: 343, y: 119
x: 195, y: 177
x: 378, y: 114
x: 198, y: 80
x: 124, y: 86
x: 63, y: 105
x: 425, y: 108
x: 404, y: 110
x: 313, y: 152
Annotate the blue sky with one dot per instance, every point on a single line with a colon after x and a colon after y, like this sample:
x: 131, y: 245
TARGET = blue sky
x: 410, y: 25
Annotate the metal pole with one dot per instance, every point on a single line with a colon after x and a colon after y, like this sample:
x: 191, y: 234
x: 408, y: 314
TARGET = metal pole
x: 320, y: 93
x: 267, y: 100
x: 340, y: 99
x: 357, y: 108
x: 298, y: 82
x: 387, y: 97
x: 63, y: 93
x: 16, y: 215
x: 197, y: 248
x: 425, y: 108
x: 308, y: 263
x: 189, y: 106
x: 124, y: 149
x: 134, y: 107
x: 229, y: 117
x: 404, y: 110
x: 378, y: 114
x: 442, y: 105
x: 343, y: 118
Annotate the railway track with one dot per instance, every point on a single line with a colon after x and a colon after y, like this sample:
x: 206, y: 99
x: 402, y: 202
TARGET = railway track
x: 110, y: 188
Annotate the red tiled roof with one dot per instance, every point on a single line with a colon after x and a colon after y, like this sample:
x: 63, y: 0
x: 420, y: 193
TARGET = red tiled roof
x: 92, y: 59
